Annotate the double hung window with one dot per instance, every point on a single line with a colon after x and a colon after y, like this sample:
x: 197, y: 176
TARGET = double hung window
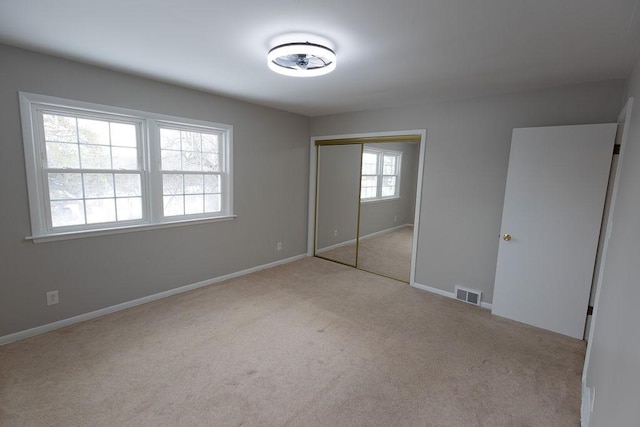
x: 99, y: 168
x: 380, y: 174
x: 191, y: 171
x: 91, y: 167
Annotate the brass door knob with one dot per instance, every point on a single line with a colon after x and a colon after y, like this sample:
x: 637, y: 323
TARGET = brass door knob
x: 506, y: 237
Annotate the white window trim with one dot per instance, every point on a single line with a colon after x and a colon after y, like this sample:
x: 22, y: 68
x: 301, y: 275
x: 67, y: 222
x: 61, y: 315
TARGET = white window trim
x: 150, y: 167
x: 69, y: 235
x: 380, y: 165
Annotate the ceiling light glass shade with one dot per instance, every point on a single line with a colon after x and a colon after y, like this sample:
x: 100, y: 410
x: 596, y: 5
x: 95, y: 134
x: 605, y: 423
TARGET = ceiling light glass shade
x: 301, y: 59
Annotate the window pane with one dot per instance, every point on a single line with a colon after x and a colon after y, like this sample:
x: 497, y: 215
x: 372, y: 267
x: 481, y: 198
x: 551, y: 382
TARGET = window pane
x: 191, y: 161
x: 182, y: 150
x: 367, y: 193
x: 210, y: 143
x: 212, y: 203
x: 388, y: 186
x: 67, y: 212
x: 125, y: 158
x: 100, y: 210
x: 123, y: 135
x: 171, y: 160
x: 193, y: 204
x: 93, y: 131
x: 65, y: 186
x: 369, y: 181
x: 368, y: 187
x: 212, y: 183
x: 173, y: 205
x: 172, y: 184
x: 59, y: 128
x: 129, y: 208
x: 127, y: 185
x: 389, y: 167
x: 98, y: 185
x: 369, y: 163
x: 62, y: 155
x: 388, y: 191
x: 211, y: 162
x: 169, y: 139
x: 191, y: 141
x: 95, y: 157
x: 193, y: 184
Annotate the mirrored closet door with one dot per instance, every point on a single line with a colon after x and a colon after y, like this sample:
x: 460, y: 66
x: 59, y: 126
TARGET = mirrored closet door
x: 337, y: 202
x: 365, y: 203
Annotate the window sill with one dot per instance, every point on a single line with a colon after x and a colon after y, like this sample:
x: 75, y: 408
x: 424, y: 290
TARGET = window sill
x: 386, y: 199
x: 120, y: 230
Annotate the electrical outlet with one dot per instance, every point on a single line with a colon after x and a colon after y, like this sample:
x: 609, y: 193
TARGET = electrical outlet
x: 52, y: 297
x: 335, y: 233
x: 279, y: 246
x: 395, y: 218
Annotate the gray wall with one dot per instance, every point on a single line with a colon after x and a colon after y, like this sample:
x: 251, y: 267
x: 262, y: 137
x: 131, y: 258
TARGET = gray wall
x: 380, y: 215
x: 467, y: 152
x: 615, y: 348
x: 271, y: 158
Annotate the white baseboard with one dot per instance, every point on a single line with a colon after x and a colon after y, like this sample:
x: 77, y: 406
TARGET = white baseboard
x: 588, y: 399
x: 367, y: 236
x: 386, y: 230
x: 336, y: 246
x: 446, y: 294
x: 114, y: 308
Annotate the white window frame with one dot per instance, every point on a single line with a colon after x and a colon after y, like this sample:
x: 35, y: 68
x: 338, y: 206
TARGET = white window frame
x: 225, y: 165
x: 380, y: 153
x: 31, y: 108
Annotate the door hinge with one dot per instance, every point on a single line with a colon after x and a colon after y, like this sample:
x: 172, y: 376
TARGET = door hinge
x: 616, y: 149
x: 590, y: 310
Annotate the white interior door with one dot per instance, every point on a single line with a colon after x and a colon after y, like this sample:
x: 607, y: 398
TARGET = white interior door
x: 556, y: 187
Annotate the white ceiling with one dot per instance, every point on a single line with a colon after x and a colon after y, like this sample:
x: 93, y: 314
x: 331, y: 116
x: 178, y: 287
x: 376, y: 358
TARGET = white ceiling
x: 389, y: 53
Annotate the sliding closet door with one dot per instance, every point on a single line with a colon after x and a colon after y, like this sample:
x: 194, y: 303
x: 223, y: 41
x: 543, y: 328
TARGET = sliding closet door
x: 337, y: 204
x: 387, y: 207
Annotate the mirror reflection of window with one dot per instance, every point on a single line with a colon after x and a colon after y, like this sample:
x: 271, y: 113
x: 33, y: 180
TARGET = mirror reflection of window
x: 369, y: 186
x: 380, y: 174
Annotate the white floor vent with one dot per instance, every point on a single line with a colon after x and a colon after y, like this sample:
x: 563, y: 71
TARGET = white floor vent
x: 468, y: 295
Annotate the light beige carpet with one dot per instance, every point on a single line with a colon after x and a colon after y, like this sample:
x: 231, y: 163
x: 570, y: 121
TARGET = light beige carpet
x: 388, y: 254
x: 345, y: 254
x: 311, y: 343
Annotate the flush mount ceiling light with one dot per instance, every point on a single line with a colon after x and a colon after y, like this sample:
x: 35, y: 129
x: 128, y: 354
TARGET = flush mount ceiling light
x: 301, y: 59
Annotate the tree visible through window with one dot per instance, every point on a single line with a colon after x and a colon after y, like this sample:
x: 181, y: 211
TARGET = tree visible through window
x: 92, y: 169
x: 191, y: 172
x: 380, y: 174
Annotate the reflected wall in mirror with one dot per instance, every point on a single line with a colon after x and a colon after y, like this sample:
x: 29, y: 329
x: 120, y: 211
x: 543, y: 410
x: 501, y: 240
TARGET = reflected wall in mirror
x: 387, y: 197
x: 337, y: 203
